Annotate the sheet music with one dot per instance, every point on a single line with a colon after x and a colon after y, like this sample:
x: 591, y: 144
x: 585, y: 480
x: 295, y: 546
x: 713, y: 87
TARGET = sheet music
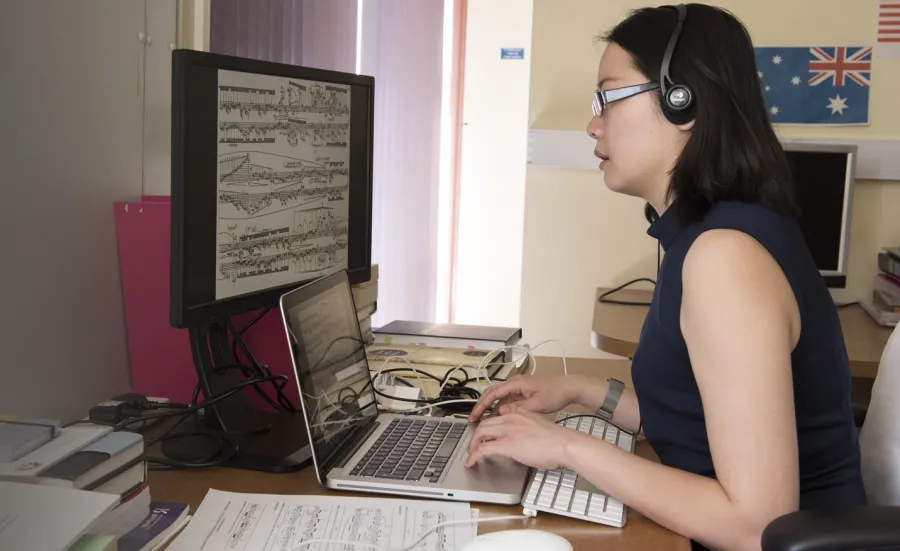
x: 261, y: 522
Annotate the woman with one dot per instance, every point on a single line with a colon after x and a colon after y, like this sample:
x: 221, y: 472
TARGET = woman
x: 741, y: 377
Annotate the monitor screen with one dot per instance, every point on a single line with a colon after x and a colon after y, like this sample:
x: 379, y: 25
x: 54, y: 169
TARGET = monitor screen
x: 822, y: 184
x: 330, y: 360
x: 272, y: 181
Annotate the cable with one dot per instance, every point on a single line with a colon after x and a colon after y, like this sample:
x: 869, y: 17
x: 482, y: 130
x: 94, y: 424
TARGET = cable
x: 424, y: 536
x: 594, y: 415
x: 603, y: 297
x: 284, y: 403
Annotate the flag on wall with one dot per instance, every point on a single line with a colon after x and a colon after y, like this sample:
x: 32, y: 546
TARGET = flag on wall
x: 816, y: 85
x: 888, y: 45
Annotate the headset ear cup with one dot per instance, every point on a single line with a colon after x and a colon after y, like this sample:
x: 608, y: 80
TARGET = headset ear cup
x: 679, y: 98
x: 678, y: 103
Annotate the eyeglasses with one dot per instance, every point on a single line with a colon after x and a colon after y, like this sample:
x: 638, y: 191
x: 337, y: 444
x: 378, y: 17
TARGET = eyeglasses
x: 602, y: 99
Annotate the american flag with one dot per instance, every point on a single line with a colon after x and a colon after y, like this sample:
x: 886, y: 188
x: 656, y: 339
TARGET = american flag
x: 888, y: 45
x: 816, y: 85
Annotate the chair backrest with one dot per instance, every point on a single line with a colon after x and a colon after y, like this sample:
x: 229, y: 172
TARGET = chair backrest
x: 879, y: 438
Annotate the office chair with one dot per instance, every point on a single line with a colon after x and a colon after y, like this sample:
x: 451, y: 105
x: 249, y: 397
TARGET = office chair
x: 876, y: 526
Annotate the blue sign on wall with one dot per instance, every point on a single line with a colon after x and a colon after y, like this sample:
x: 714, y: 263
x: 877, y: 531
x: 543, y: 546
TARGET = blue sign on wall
x: 512, y: 53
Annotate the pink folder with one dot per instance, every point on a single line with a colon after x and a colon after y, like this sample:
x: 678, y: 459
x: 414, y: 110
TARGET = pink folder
x: 159, y: 354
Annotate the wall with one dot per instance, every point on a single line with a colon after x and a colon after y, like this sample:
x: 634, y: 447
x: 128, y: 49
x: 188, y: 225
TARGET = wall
x: 578, y: 235
x: 72, y: 116
x: 492, y: 171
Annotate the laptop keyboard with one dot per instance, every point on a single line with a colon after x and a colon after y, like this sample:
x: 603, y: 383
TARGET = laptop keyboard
x: 563, y: 492
x: 412, y: 450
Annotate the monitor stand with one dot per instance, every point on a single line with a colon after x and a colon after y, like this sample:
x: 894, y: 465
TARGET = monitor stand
x: 274, y: 441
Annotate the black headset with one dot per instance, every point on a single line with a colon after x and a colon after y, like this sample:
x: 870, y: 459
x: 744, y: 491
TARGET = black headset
x: 677, y: 99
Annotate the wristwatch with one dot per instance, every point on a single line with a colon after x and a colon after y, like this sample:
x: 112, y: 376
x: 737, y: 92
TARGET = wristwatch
x: 612, y: 398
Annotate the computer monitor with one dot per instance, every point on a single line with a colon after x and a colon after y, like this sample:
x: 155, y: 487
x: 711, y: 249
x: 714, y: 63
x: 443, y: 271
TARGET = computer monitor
x: 824, y: 176
x: 271, y: 189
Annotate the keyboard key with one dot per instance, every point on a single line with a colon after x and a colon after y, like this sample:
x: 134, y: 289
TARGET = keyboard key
x: 562, y: 499
x: 447, y: 447
x: 597, y: 505
x: 546, y: 496
x: 614, y: 506
x: 579, y: 502
x: 532, y: 494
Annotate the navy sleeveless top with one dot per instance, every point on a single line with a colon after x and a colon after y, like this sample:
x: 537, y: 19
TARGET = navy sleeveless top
x: 669, y: 400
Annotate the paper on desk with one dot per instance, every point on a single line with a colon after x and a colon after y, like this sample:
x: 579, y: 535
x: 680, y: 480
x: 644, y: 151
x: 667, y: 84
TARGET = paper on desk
x: 263, y: 522
x: 48, y: 518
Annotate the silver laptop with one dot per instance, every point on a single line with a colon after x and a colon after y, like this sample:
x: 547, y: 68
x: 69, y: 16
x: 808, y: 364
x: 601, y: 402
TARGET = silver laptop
x: 355, y: 446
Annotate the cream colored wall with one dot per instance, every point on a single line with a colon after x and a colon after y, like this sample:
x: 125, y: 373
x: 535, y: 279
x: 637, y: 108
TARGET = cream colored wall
x: 492, y: 164
x: 578, y: 235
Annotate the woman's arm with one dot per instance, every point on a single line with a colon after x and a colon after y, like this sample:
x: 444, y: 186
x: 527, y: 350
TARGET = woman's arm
x: 740, y: 321
x: 592, y: 391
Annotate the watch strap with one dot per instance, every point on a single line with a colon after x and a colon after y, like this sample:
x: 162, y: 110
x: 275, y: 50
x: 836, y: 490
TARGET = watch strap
x: 611, y: 400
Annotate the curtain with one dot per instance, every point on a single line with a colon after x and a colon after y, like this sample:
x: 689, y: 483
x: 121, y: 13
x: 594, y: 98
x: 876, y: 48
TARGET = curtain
x: 312, y: 33
x: 402, y: 47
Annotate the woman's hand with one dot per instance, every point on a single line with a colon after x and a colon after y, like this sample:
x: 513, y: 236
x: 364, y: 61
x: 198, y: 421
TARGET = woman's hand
x: 523, y: 436
x: 529, y: 393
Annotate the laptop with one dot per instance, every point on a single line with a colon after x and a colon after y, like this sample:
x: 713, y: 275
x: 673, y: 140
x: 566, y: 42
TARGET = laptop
x: 355, y: 445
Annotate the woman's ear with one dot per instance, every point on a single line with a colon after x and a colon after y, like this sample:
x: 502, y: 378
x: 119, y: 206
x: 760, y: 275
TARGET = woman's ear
x: 686, y: 127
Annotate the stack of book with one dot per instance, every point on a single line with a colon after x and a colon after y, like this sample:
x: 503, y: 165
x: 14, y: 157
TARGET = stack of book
x: 884, y: 302
x: 41, y: 459
x: 450, y: 335
x: 365, y: 296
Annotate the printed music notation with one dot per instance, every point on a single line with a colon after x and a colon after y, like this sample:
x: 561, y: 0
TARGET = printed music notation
x: 252, y: 203
x: 292, y: 100
x: 293, y: 130
x: 283, y: 181
x: 314, y: 258
x: 262, y: 522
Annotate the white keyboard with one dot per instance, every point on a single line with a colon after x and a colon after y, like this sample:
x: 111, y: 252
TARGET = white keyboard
x: 563, y: 492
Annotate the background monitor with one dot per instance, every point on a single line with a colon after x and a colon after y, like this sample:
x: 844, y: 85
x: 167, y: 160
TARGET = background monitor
x: 271, y: 181
x: 271, y: 189
x: 824, y: 178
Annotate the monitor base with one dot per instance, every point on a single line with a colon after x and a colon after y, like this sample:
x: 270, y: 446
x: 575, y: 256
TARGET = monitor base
x: 283, y: 448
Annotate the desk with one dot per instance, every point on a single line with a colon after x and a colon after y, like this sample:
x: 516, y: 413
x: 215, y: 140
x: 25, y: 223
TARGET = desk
x: 616, y: 329
x: 639, y: 532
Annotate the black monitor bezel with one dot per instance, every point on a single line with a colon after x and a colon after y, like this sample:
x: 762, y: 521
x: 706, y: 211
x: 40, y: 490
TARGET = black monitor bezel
x: 186, y: 309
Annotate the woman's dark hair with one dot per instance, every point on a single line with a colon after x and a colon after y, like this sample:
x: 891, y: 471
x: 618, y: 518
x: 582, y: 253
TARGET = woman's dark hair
x: 733, y: 152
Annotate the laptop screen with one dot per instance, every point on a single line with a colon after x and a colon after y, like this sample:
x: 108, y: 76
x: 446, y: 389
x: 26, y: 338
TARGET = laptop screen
x: 330, y: 362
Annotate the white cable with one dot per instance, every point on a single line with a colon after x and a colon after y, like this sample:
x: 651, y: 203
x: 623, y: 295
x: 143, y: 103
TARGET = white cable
x: 424, y: 536
x: 449, y: 374
x: 409, y: 366
x: 557, y: 343
x: 530, y: 353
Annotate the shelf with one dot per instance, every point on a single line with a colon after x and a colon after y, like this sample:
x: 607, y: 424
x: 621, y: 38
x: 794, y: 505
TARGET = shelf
x: 878, y: 159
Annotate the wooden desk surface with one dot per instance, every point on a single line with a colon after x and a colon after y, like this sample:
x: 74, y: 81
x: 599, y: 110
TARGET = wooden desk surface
x: 616, y: 329
x: 639, y: 532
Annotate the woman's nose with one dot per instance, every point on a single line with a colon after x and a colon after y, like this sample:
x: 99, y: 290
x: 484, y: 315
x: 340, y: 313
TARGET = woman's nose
x: 595, y: 127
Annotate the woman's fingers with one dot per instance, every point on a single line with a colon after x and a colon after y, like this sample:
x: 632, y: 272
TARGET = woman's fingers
x: 496, y: 392
x: 485, y: 433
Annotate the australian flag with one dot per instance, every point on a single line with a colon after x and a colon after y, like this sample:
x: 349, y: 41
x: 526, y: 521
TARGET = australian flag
x: 818, y: 85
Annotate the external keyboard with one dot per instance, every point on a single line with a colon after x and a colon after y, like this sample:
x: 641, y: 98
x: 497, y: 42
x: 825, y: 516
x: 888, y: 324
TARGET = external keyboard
x: 411, y: 450
x: 563, y: 492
